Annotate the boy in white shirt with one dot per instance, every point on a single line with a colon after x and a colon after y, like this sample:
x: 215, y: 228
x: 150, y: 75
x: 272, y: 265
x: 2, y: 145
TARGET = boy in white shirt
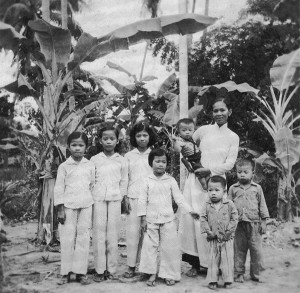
x: 158, y: 221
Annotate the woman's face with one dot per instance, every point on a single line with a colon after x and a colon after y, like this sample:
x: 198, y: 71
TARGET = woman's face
x: 221, y: 113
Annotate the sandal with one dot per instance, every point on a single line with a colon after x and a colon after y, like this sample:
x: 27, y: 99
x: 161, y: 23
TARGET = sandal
x: 110, y: 276
x: 212, y: 286
x: 129, y: 274
x: 152, y: 281
x: 228, y: 285
x: 192, y: 273
x: 98, y: 278
x: 83, y: 279
x: 170, y: 282
x: 63, y: 280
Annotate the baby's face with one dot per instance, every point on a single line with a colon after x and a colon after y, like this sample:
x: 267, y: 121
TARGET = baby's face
x: 186, y: 130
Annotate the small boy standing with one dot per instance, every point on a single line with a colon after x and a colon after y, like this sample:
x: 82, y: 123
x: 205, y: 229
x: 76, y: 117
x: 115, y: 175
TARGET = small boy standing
x: 219, y: 219
x: 249, y: 200
x: 184, y: 143
x: 158, y: 221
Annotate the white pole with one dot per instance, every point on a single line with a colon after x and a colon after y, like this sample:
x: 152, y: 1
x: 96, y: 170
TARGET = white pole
x: 183, y: 82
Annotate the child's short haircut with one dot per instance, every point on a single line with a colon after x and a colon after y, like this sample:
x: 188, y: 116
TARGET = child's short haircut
x: 217, y: 179
x: 156, y: 153
x: 245, y: 162
x: 142, y: 126
x: 185, y: 121
x: 76, y: 135
x: 107, y: 128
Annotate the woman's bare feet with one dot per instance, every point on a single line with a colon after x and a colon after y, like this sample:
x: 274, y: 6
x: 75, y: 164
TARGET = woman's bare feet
x: 151, y: 282
x: 239, y: 279
x: 130, y: 273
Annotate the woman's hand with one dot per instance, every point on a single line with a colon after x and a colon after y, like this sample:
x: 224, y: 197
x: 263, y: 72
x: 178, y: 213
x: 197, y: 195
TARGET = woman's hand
x: 202, y: 172
x: 61, y: 215
x: 210, y: 235
x: 127, y: 206
x: 144, y: 224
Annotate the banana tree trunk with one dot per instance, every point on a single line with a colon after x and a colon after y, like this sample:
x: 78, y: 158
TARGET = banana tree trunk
x: 284, y: 199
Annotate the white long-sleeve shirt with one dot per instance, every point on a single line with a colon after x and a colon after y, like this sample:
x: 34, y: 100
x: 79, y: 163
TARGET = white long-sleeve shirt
x: 74, y: 183
x: 138, y: 169
x: 111, y: 177
x: 155, y: 201
x: 219, y: 147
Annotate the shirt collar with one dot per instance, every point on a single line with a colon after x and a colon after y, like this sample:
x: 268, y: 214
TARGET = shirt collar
x: 251, y: 183
x: 164, y: 177
x: 115, y: 155
x: 71, y: 161
x: 222, y: 128
x: 136, y: 151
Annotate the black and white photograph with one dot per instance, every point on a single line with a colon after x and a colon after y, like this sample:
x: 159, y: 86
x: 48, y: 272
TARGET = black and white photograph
x: 149, y: 146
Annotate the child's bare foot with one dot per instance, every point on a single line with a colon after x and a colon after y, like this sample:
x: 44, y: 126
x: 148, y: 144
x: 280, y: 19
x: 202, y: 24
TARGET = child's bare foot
x: 152, y: 281
x: 212, y: 286
x: 130, y: 273
x: 192, y: 273
x: 228, y: 285
x: 239, y: 279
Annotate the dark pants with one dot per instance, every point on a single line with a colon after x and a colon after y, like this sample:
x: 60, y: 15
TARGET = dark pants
x: 192, y: 260
x: 247, y: 236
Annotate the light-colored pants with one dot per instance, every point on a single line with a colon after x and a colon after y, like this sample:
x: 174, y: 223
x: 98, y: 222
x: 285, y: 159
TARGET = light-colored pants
x: 162, y: 237
x: 75, y: 240
x: 220, y: 257
x: 106, y: 224
x: 133, y: 234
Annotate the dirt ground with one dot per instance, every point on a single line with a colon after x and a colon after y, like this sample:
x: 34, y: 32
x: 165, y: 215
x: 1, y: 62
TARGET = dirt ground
x: 32, y: 269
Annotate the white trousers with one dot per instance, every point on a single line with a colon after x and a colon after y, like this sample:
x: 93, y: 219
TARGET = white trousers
x: 106, y: 224
x: 162, y: 237
x: 133, y: 234
x: 75, y: 240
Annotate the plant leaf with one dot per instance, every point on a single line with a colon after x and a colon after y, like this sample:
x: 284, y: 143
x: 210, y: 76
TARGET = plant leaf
x: 285, y: 71
x: 55, y: 42
x: 165, y: 86
x: 149, y: 78
x: 171, y: 116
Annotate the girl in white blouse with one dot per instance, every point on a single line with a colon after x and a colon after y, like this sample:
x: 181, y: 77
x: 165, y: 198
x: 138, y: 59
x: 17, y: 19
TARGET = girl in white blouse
x: 110, y: 188
x: 219, y: 149
x: 73, y: 198
x: 142, y: 138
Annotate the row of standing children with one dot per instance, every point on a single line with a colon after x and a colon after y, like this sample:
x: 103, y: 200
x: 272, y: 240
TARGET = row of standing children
x: 148, y: 201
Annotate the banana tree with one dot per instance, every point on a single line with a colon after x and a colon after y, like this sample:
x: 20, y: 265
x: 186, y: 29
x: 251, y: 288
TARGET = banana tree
x: 56, y: 65
x: 280, y: 122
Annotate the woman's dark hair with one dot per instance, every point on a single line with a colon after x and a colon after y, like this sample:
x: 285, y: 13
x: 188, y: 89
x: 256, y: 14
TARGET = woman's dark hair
x: 218, y: 179
x: 138, y: 127
x: 107, y: 128
x: 225, y: 100
x: 76, y: 135
x: 156, y: 153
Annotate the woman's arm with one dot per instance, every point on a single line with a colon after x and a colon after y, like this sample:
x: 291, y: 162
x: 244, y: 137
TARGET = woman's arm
x: 124, y: 178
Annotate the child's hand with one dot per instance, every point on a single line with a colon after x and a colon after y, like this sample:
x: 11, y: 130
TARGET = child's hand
x: 226, y: 237
x: 127, y: 206
x: 61, y: 215
x: 210, y: 235
x: 144, y: 224
x: 263, y: 227
x: 195, y: 215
